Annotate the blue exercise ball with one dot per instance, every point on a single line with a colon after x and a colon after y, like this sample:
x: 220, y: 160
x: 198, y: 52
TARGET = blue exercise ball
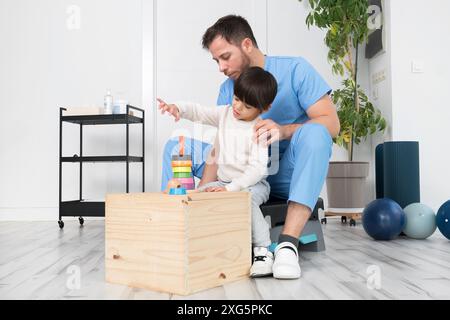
x: 420, y: 221
x: 383, y: 219
x: 443, y: 219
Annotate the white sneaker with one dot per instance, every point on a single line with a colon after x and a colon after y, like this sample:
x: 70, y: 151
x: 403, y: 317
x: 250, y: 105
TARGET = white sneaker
x: 286, y: 262
x: 262, y: 262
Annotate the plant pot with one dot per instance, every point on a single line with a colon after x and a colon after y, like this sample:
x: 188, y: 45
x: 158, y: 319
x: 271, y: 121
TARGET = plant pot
x: 346, y: 186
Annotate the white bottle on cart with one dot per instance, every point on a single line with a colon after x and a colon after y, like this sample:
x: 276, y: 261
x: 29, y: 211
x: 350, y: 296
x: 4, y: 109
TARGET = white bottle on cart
x: 108, y: 103
x: 120, y: 104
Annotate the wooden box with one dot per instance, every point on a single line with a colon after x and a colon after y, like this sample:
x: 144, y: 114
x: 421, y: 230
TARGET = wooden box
x: 177, y: 244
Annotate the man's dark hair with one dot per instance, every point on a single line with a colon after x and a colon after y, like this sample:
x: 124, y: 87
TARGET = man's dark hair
x: 232, y: 28
x: 256, y: 87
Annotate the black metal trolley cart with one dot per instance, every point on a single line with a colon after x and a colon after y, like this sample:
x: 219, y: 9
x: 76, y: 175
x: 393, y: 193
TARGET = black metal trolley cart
x: 80, y: 208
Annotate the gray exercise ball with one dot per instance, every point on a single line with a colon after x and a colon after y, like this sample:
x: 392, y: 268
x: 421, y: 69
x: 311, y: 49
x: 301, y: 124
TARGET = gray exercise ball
x: 420, y: 221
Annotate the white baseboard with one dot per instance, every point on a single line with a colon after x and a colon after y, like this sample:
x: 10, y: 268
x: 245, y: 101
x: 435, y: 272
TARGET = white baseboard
x: 35, y: 214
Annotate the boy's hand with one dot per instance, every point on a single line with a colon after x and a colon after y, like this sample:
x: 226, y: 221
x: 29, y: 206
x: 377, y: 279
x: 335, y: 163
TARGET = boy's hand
x: 215, y: 189
x: 170, y: 108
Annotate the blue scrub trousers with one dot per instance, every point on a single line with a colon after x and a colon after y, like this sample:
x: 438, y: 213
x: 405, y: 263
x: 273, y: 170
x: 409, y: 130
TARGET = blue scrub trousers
x: 303, y: 166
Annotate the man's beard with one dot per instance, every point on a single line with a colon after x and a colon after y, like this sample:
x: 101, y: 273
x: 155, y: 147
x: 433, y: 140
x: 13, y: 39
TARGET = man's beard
x: 245, y: 62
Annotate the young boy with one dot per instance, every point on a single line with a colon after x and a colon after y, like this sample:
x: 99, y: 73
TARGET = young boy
x: 242, y: 163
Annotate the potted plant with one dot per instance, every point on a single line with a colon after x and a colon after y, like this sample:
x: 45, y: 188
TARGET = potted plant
x: 347, y: 28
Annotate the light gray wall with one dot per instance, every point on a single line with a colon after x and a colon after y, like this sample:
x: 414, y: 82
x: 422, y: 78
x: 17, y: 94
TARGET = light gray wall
x: 380, y: 87
x: 44, y: 65
x: 414, y: 103
x: 420, y: 108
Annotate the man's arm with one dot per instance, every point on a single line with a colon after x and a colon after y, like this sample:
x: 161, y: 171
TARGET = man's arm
x: 323, y: 112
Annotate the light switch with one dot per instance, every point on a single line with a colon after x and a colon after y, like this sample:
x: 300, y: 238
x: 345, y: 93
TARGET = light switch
x: 417, y: 66
x: 379, y: 76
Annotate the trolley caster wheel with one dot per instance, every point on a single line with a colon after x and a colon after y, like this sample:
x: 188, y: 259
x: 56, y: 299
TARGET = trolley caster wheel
x: 352, y: 223
x: 323, y: 221
x: 81, y: 220
x: 61, y: 224
x: 344, y: 219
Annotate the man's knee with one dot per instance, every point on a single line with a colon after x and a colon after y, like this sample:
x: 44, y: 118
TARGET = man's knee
x: 312, y: 136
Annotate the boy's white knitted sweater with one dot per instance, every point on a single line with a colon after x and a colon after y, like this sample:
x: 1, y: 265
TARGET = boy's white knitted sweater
x: 241, y: 161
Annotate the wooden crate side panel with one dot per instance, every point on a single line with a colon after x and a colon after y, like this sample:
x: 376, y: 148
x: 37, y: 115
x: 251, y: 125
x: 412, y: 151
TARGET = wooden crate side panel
x: 219, y: 241
x: 145, y: 237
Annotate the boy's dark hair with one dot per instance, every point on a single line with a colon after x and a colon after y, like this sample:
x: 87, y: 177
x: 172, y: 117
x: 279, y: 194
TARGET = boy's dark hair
x: 256, y: 87
x: 232, y: 28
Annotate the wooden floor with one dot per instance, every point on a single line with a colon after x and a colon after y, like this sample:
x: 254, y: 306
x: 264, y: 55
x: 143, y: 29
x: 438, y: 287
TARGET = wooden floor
x: 36, y: 260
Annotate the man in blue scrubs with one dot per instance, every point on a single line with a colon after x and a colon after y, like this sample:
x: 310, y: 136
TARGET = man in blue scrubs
x: 301, y: 122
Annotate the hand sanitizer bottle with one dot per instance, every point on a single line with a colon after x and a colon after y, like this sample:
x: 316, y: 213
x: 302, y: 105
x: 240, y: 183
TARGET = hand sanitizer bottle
x: 108, y: 103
